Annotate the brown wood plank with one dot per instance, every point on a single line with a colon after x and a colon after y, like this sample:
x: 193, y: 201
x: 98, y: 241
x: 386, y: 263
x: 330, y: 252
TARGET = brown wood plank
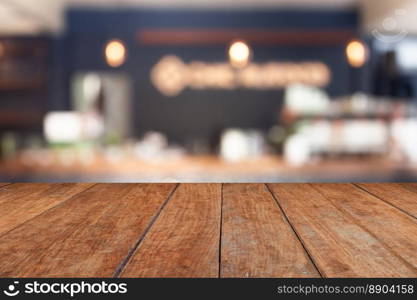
x: 339, y: 246
x: 402, y: 196
x: 394, y: 229
x: 20, y: 202
x: 184, y: 241
x: 3, y: 184
x: 87, y: 236
x: 257, y: 241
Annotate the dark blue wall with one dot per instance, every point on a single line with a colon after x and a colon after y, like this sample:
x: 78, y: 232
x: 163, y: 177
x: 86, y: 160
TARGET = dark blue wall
x: 194, y: 113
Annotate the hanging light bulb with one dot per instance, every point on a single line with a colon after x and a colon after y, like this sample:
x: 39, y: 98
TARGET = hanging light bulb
x: 356, y: 53
x: 239, y: 54
x: 115, y: 53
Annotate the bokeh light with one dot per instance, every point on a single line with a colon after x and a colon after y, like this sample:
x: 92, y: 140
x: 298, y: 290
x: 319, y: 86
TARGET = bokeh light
x: 115, y: 53
x: 356, y: 53
x: 239, y: 54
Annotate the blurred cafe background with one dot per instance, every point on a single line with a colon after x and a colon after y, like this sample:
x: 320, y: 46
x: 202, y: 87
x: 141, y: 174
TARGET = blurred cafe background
x: 209, y: 90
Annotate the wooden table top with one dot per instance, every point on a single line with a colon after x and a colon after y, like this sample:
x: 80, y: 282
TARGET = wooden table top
x: 208, y: 230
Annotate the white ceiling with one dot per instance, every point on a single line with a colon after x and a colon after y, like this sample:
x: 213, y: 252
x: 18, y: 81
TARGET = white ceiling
x: 34, y: 16
x: 380, y: 15
x: 213, y: 3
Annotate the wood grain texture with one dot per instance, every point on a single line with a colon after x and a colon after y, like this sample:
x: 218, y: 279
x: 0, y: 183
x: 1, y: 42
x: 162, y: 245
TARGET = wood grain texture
x: 339, y: 246
x: 184, y: 241
x: 257, y: 241
x: 401, y: 195
x: 20, y: 202
x: 158, y: 230
x: 394, y: 229
x: 87, y: 236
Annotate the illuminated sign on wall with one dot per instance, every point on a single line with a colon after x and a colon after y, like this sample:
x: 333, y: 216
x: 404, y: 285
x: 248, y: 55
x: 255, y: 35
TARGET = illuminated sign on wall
x: 171, y: 75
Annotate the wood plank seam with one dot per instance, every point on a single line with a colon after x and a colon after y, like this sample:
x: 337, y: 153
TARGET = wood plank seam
x: 90, y: 236
x: 221, y: 231
x: 339, y: 246
x: 183, y: 242
x: 45, y: 211
x: 119, y: 270
x: 321, y: 273
x: 389, y: 203
x: 348, y: 215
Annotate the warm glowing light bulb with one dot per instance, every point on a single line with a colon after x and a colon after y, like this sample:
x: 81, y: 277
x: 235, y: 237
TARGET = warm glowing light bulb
x: 357, y: 53
x: 115, y: 53
x: 239, y: 54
